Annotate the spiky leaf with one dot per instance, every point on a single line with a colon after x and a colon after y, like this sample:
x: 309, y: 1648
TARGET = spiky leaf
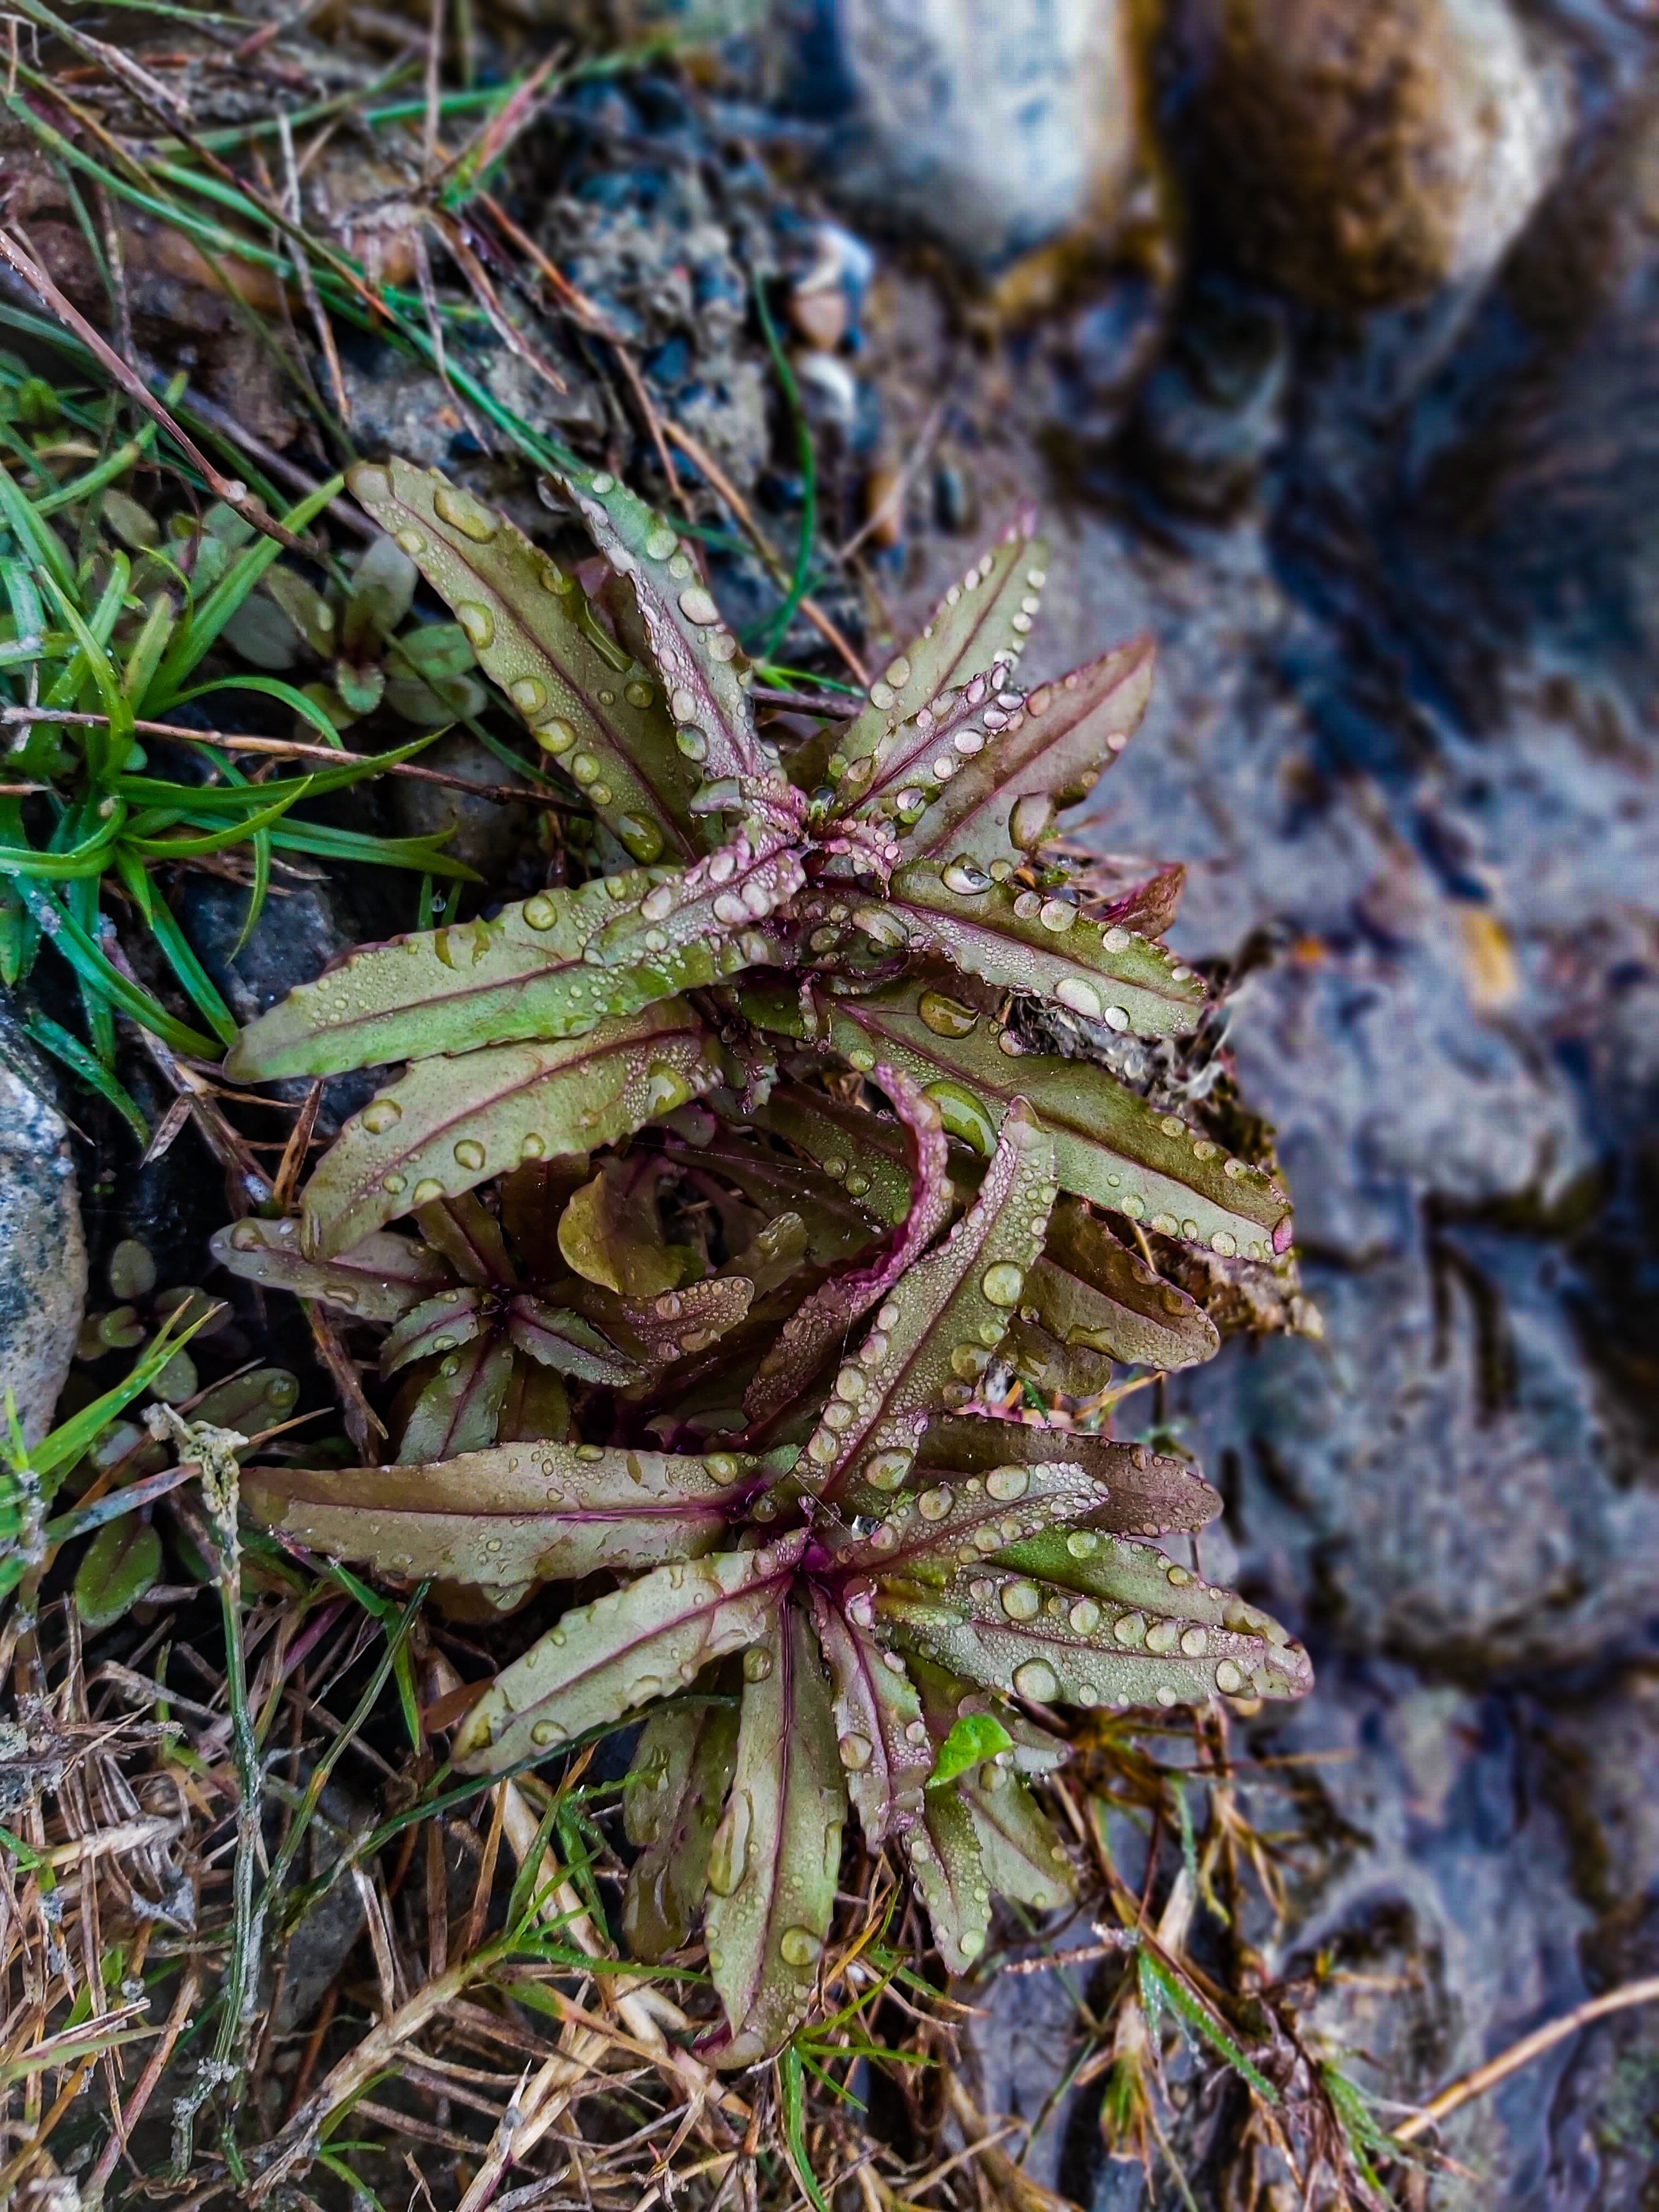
x: 672, y: 1806
x: 602, y: 718
x: 447, y: 1124
x: 460, y: 1408
x: 777, y: 1850
x: 1048, y: 1644
x: 980, y: 625
x: 507, y: 1516
x: 624, y: 1649
x: 1021, y: 941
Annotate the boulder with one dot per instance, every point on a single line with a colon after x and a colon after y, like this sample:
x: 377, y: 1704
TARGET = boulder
x: 42, y: 1253
x: 1361, y: 156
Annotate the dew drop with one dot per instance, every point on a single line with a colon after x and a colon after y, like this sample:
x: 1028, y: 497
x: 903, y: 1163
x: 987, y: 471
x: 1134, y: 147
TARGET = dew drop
x: 1228, y: 1678
x: 1005, y: 1484
x: 426, y: 1190
x: 640, y: 834
x: 697, y: 606
x: 555, y: 737
x: 855, y: 1752
x: 934, y: 1504
x: 540, y: 912
x: 1038, y: 1681
x: 946, y: 1018
x: 469, y: 1153
x: 476, y: 619
x: 1084, y: 1616
x: 393, y: 1183
x: 1081, y: 996
x: 1021, y: 1601
x: 1130, y: 1628
x: 1031, y: 819
x: 757, y: 1663
x: 1002, y: 1283
x: 463, y: 513
x: 799, y: 1947
x: 886, y: 1470
x: 411, y: 541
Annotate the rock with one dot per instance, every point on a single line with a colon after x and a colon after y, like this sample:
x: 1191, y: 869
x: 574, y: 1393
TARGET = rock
x: 1361, y: 156
x: 494, y: 838
x: 43, y: 1253
x: 993, y: 124
x: 1211, y: 412
x: 1516, y: 494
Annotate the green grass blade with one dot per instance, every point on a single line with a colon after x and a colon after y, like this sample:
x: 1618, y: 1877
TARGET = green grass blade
x: 96, y: 968
x: 52, y: 1037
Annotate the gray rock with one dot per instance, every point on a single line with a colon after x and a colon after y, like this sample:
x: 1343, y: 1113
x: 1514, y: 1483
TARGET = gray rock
x: 42, y: 1253
x: 993, y: 124
x: 1363, y: 156
x: 493, y: 838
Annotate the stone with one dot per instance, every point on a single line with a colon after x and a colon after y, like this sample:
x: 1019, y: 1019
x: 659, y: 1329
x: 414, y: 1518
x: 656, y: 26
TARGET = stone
x: 1363, y: 156
x: 993, y: 124
x: 42, y: 1253
x: 494, y: 837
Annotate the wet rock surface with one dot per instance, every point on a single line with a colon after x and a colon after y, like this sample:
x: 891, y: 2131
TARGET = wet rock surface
x: 43, y: 1253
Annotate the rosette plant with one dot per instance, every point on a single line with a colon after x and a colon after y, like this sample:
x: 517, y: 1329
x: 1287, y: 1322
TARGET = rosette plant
x: 776, y: 1104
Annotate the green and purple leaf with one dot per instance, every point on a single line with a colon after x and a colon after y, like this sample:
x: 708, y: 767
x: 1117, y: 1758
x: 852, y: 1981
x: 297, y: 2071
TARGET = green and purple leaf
x: 625, y: 1649
x: 1110, y: 1145
x: 777, y: 1851
x: 935, y: 1334
x: 379, y: 1278
x: 507, y: 1516
x: 446, y: 1124
x: 882, y: 1740
x: 603, y: 719
x: 672, y: 1806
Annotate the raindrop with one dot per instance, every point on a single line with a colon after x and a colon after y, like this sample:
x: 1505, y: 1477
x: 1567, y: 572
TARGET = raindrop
x: 856, y: 1752
x: 477, y: 622
x: 799, y: 1947
x: 1002, y: 1283
x: 464, y: 513
x: 1021, y: 1601
x: 469, y: 1153
x: 757, y: 1663
x: 1005, y: 1484
x: 946, y: 1018
x: 1038, y: 1681
x: 540, y: 912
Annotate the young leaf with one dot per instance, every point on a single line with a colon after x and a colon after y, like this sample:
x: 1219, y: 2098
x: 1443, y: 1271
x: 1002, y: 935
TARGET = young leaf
x: 694, y: 650
x: 624, y: 1649
x: 447, y: 1124
x: 379, y: 1279
x: 439, y: 1324
x: 777, y: 1850
x: 507, y: 1516
x: 460, y: 1408
x: 1049, y: 754
x: 943, y: 1320
x: 672, y: 1806
x: 1110, y: 1145
x: 974, y: 1738
x: 605, y: 721
x: 555, y: 1337
x: 681, y: 1322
